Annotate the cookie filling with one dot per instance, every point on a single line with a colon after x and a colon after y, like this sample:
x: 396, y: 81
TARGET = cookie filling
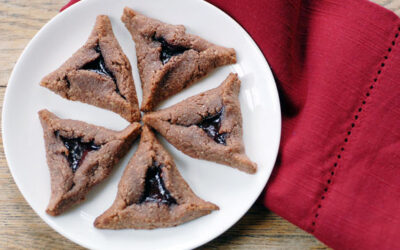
x: 168, y: 50
x: 211, y: 126
x: 154, y: 189
x: 98, y: 66
x: 77, y: 150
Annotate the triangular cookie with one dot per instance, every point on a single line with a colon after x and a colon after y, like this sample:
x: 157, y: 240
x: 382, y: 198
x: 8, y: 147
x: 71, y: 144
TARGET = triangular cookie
x: 152, y: 193
x: 79, y: 156
x: 170, y: 60
x: 99, y: 74
x: 207, y: 126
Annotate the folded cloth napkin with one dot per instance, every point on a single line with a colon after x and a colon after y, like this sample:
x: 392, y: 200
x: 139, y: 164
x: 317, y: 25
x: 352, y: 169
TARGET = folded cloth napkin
x: 337, y: 66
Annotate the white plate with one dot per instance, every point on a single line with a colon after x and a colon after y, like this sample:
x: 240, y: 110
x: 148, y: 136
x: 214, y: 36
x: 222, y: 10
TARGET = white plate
x: 233, y: 191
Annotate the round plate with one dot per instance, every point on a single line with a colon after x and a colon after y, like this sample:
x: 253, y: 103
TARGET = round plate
x: 233, y: 191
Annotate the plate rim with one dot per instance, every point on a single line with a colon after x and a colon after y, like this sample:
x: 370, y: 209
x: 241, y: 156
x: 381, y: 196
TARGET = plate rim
x: 81, y: 4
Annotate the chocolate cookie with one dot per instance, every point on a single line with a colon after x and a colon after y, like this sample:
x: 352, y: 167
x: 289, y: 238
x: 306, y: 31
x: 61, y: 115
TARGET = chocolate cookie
x: 79, y: 156
x: 152, y: 193
x: 207, y: 126
x: 99, y: 74
x: 170, y: 60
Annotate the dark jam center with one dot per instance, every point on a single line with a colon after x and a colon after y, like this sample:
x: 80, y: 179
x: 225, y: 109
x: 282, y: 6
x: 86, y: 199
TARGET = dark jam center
x: 77, y: 150
x: 211, y: 126
x: 98, y: 66
x: 168, y: 50
x: 154, y: 189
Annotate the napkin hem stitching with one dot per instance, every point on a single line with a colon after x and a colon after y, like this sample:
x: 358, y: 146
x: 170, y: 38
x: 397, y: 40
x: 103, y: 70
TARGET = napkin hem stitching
x: 352, y: 125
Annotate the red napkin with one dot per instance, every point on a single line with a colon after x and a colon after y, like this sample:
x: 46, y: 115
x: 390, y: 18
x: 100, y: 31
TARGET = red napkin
x: 337, y: 65
x: 71, y: 2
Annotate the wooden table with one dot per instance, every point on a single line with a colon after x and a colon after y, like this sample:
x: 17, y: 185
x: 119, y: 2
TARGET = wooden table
x: 20, y: 227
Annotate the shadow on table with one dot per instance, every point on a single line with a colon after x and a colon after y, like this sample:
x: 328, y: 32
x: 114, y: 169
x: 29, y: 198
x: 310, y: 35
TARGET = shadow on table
x: 261, y: 229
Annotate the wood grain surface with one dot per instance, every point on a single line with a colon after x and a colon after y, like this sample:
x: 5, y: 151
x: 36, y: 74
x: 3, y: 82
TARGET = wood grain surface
x: 21, y: 228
